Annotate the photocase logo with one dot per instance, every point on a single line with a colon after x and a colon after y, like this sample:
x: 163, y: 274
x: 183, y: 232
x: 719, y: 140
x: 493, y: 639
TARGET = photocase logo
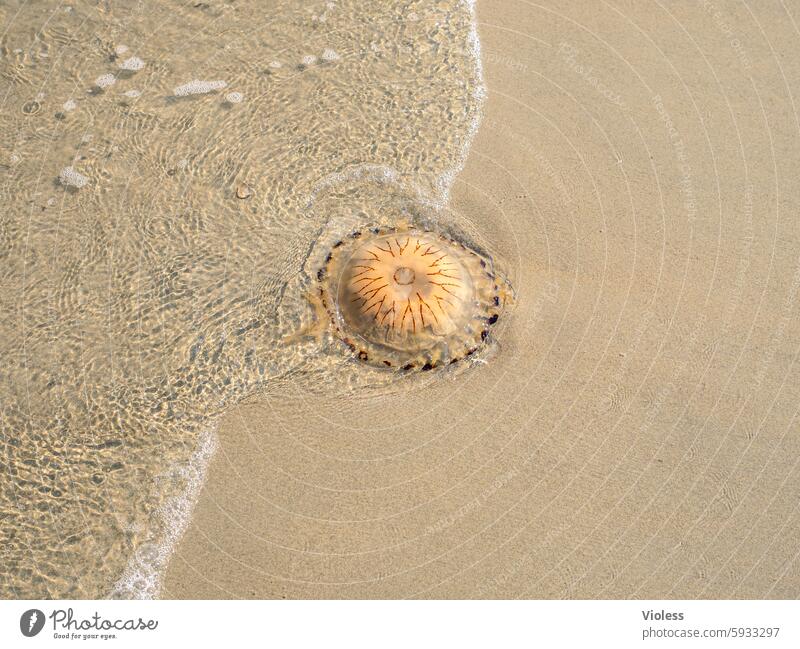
x: 31, y: 622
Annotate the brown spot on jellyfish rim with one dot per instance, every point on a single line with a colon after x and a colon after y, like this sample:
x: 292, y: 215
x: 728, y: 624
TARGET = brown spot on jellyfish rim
x: 409, y: 298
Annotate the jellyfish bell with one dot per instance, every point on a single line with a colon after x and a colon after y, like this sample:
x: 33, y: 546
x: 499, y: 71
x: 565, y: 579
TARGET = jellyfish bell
x: 409, y: 298
x: 404, y: 290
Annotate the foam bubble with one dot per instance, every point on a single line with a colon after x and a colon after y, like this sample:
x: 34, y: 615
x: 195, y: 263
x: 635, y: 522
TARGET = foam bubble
x: 69, y: 105
x: 120, y: 49
x: 329, y: 55
x: 132, y: 93
x: 132, y: 64
x: 197, y: 87
x: 234, y: 97
x: 276, y: 64
x: 105, y: 80
x: 72, y: 178
x: 309, y: 60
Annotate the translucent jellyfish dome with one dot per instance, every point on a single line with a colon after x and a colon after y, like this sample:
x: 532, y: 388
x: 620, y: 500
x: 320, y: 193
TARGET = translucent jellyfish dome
x: 409, y: 298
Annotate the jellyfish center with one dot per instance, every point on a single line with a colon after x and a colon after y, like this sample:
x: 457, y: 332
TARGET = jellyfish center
x: 404, y: 276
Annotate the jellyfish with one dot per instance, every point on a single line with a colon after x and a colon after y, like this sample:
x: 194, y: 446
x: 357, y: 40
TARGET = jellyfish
x: 409, y: 298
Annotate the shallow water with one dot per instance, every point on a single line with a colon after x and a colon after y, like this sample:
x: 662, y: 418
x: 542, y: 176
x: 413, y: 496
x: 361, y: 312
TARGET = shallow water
x: 172, y: 175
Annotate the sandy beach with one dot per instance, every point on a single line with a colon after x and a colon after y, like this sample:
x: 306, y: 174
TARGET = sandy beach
x: 633, y: 433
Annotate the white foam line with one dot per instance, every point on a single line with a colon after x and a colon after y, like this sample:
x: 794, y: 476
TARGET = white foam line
x: 144, y: 573
x: 447, y: 179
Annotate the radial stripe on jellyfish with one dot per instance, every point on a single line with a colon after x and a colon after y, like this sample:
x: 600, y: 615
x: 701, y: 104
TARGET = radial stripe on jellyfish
x: 409, y: 298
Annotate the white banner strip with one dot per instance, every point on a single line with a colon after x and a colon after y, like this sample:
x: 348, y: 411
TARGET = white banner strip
x: 391, y: 624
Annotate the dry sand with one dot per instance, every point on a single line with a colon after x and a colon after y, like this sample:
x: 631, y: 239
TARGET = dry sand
x: 635, y: 435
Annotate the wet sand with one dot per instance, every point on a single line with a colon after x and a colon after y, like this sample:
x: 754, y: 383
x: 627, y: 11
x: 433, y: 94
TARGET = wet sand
x: 634, y: 433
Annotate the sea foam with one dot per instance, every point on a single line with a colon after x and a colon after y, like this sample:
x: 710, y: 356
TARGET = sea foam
x: 132, y: 64
x: 197, y: 87
x: 105, y: 80
x: 69, y: 177
x: 144, y: 573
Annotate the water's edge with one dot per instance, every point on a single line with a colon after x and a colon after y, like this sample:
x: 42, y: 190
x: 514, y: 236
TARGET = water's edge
x: 141, y: 579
